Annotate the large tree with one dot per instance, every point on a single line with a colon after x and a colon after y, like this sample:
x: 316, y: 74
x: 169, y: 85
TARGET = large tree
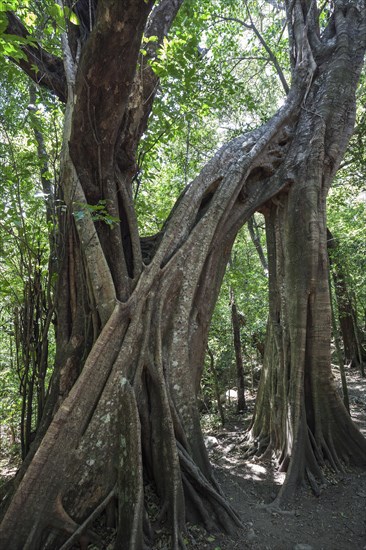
x: 133, y: 312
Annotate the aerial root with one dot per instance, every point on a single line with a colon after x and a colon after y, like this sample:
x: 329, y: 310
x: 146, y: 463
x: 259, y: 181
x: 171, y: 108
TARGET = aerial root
x: 317, y: 453
x: 182, y: 544
x: 147, y: 529
x: 337, y: 464
x: 197, y: 501
x: 163, y: 511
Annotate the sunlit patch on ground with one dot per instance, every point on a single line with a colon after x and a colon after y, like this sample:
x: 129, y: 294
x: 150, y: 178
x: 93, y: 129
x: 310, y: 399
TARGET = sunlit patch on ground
x: 8, y: 468
x: 333, y: 521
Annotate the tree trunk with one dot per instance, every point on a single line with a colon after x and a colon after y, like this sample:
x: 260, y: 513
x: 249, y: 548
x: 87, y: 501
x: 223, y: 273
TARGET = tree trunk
x: 132, y: 411
x: 339, y: 353
x: 133, y: 407
x: 216, y: 385
x: 241, y: 405
x: 306, y: 422
x: 137, y: 312
x: 256, y: 240
x: 353, y: 351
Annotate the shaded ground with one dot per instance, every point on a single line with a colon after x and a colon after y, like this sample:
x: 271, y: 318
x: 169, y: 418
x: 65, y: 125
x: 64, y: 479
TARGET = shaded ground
x: 334, y: 521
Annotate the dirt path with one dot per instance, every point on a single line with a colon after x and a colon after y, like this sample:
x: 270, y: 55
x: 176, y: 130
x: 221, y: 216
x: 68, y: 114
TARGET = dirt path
x: 334, y: 521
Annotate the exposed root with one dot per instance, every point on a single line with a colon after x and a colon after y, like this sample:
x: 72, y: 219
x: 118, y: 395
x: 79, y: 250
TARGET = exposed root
x: 313, y: 483
x: 318, y: 455
x: 274, y: 508
x: 259, y: 446
x: 331, y: 455
x: 148, y: 531
x: 202, y: 492
x: 82, y: 528
x: 198, y: 504
x: 130, y: 484
x: 182, y: 544
x: 163, y: 512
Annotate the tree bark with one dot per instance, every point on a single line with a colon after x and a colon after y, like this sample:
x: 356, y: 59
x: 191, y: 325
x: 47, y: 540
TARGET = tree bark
x: 354, y: 354
x: 339, y: 353
x: 306, y: 423
x: 140, y: 322
x: 216, y: 385
x: 148, y: 358
x: 241, y: 405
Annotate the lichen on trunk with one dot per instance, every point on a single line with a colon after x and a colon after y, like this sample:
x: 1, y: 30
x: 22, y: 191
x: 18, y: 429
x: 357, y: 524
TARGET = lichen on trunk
x: 129, y: 414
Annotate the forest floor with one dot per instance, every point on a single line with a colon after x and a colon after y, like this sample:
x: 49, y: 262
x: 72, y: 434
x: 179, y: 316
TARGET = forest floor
x: 336, y: 520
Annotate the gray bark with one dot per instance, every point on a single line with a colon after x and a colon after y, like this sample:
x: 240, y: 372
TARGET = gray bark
x: 306, y: 423
x: 132, y: 409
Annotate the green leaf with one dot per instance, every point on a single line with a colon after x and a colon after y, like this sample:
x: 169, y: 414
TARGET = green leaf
x: 3, y: 22
x: 57, y: 13
x: 74, y: 18
x: 79, y: 215
x: 146, y: 39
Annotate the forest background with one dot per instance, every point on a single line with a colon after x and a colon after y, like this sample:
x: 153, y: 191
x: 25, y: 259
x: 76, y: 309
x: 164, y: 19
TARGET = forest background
x: 224, y: 72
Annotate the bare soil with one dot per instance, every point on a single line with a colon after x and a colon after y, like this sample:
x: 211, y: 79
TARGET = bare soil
x: 336, y: 520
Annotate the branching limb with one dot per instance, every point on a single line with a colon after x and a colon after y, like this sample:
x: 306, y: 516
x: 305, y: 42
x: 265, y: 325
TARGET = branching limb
x: 111, y: 52
x: 160, y: 22
x: 146, y: 84
x: 270, y: 52
x: 45, y: 69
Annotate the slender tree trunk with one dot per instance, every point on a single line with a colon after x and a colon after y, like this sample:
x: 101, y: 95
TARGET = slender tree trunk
x: 241, y: 405
x: 353, y: 351
x: 216, y: 386
x: 255, y: 236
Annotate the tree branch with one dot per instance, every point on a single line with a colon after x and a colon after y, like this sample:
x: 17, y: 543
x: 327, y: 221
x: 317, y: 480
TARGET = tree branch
x: 43, y: 68
x: 160, y: 21
x: 254, y: 235
x: 146, y: 81
x: 271, y: 55
x: 105, y: 82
